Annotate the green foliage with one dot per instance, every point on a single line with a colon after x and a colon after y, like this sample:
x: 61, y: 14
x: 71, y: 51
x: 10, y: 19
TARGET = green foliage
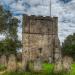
x: 8, y: 46
x: 68, y: 47
x: 5, y: 16
x: 2, y: 67
x: 8, y: 24
x: 12, y: 29
x: 8, y: 27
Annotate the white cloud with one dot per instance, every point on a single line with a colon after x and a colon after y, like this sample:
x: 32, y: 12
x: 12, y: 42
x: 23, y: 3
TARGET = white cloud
x: 65, y: 12
x: 2, y: 37
x: 17, y: 6
x: 20, y: 27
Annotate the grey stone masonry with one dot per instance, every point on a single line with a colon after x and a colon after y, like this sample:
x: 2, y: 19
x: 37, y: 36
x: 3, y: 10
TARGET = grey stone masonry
x: 39, y: 37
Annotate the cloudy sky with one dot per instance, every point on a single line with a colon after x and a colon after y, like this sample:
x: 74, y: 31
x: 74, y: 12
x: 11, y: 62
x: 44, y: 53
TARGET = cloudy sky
x: 64, y: 9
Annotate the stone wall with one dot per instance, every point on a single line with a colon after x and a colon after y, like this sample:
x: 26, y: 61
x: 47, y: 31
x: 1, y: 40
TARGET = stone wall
x: 40, y: 38
x: 38, y: 34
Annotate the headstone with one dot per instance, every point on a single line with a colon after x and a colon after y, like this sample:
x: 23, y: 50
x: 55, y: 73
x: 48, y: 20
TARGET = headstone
x: 57, y: 54
x: 3, y: 60
x: 37, y: 65
x: 67, y: 61
x: 58, y: 67
x: 25, y: 59
x: 58, y: 59
x: 12, y: 66
x: 50, y: 60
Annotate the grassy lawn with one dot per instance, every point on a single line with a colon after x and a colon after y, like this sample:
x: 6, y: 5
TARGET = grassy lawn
x: 47, y: 70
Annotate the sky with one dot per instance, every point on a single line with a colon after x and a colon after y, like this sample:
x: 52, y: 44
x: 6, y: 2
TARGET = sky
x: 63, y: 9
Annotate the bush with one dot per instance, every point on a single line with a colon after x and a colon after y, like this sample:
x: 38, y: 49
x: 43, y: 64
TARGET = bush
x: 68, y: 46
x: 2, y: 67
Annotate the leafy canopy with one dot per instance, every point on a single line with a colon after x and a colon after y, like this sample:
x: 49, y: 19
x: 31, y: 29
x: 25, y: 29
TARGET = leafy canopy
x: 8, y: 27
x: 68, y: 47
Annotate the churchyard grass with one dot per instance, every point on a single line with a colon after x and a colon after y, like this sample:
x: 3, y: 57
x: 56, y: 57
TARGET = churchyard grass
x: 47, y: 70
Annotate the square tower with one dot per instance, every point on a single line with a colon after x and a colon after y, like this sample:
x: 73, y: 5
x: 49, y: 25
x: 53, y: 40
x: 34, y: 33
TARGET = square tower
x: 40, y: 35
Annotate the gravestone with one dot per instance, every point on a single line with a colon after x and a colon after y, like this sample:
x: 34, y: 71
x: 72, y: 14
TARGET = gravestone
x: 37, y: 65
x: 12, y: 66
x: 50, y: 60
x: 3, y: 60
x: 58, y: 67
x: 67, y: 62
x: 25, y: 59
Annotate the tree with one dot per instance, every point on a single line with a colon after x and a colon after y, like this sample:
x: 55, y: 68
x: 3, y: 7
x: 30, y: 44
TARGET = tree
x: 68, y: 47
x: 8, y: 46
x: 12, y: 29
x: 8, y: 23
x: 5, y: 16
x: 8, y: 27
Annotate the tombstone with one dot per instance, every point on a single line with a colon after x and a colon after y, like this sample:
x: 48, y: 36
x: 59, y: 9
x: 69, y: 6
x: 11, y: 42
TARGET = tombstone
x: 58, y: 59
x: 12, y: 66
x: 67, y: 61
x: 50, y: 60
x: 58, y: 67
x: 37, y: 65
x: 3, y: 60
x: 57, y: 54
x: 25, y: 60
x: 24, y: 64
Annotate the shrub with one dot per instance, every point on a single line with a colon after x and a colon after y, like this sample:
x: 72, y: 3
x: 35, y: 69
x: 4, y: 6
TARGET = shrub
x: 2, y: 67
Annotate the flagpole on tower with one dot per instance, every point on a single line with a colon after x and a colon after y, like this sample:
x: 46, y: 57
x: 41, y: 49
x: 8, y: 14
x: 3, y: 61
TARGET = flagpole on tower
x: 50, y: 7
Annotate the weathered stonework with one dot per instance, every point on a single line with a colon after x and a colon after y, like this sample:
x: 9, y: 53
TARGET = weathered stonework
x: 12, y: 64
x: 3, y: 60
x: 40, y: 38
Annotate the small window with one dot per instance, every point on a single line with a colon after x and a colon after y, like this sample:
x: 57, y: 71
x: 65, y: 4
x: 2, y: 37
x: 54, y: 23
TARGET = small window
x: 40, y: 50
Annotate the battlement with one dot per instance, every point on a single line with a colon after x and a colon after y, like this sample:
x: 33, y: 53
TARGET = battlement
x: 40, y: 24
x: 41, y: 17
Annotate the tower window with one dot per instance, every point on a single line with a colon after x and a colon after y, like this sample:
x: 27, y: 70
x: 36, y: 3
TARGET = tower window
x: 40, y: 50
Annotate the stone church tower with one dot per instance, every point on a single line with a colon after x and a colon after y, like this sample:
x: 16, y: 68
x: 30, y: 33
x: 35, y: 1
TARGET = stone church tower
x: 40, y: 38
